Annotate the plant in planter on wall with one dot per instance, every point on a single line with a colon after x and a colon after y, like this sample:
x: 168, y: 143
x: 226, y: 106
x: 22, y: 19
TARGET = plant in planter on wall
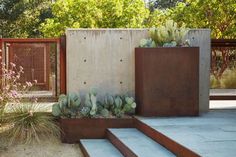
x: 67, y: 106
x: 90, y: 118
x: 118, y: 106
x: 70, y: 106
x: 168, y: 35
x: 167, y: 73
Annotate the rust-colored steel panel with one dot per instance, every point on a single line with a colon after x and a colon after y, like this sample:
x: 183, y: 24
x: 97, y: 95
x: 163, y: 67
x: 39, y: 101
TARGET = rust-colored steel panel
x: 126, y: 151
x: 167, y: 81
x: 90, y: 128
x: 35, y: 59
x: 63, y: 65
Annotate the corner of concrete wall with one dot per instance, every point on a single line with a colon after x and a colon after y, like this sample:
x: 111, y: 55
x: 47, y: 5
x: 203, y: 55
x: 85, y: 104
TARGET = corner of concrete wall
x: 202, y: 39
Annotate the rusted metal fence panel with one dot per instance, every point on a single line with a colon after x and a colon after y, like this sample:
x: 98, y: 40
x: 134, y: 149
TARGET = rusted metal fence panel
x: 223, y: 62
x: 14, y: 46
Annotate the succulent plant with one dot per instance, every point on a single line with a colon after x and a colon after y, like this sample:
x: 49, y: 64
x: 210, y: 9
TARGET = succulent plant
x: 168, y: 35
x: 105, y: 113
x: 108, y: 101
x: 91, y: 104
x: 67, y: 106
x: 123, y: 105
x: 171, y: 44
x: 147, y: 43
x: 129, y: 104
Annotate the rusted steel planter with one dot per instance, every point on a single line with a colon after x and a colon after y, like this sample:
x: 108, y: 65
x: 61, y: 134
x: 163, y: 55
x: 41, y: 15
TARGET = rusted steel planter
x: 167, y: 81
x: 90, y: 128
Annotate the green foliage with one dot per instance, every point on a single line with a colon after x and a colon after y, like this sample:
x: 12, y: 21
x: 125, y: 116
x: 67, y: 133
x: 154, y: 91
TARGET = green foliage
x: 67, y: 106
x: 158, y: 17
x: 94, y: 14
x: 29, y: 123
x: 218, y: 15
x: 120, y: 105
x: 162, y: 4
x: 214, y: 82
x: 22, y: 18
x: 112, y: 106
x: 168, y: 34
x: 228, y: 79
x: 90, y: 105
x: 147, y: 43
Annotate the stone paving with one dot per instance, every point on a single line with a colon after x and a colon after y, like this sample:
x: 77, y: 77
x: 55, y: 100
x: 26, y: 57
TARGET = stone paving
x: 212, y: 134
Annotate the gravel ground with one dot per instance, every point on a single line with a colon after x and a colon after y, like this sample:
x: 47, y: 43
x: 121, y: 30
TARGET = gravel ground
x: 49, y: 148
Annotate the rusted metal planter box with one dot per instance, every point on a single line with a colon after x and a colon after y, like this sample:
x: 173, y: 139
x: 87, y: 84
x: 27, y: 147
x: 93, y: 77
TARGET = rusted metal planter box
x: 167, y: 81
x: 72, y: 130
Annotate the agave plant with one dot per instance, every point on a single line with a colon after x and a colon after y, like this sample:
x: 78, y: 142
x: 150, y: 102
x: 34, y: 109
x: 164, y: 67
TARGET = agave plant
x: 29, y: 123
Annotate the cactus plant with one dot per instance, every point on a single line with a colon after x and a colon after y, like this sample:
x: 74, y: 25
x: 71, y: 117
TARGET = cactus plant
x: 91, y: 104
x: 123, y: 105
x: 67, y: 106
x: 147, y: 43
x: 168, y: 35
x: 129, y: 104
x: 105, y: 113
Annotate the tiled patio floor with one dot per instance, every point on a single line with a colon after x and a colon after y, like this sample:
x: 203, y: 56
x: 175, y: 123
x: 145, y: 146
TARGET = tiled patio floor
x: 210, y: 135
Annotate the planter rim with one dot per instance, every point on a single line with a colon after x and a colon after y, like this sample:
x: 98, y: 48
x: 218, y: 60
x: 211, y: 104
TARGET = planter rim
x: 128, y: 117
x: 165, y: 47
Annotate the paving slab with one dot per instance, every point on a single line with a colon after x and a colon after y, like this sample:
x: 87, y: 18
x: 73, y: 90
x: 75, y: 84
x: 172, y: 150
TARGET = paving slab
x: 210, y: 135
x: 140, y: 144
x: 100, y: 148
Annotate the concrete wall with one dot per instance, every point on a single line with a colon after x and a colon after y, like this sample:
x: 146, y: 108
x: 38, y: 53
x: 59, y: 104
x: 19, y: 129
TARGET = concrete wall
x: 104, y: 59
x: 201, y: 38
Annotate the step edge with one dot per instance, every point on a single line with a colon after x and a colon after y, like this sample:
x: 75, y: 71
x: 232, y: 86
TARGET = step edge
x: 125, y: 150
x: 171, y: 145
x: 83, y: 149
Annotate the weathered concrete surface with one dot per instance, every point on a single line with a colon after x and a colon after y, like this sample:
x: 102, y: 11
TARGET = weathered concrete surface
x: 201, y: 38
x: 141, y: 144
x: 104, y: 59
x: 213, y: 134
x: 100, y: 148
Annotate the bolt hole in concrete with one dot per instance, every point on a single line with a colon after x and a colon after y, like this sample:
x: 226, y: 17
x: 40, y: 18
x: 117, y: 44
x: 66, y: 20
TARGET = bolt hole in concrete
x: 121, y: 38
x: 121, y: 82
x: 85, y: 82
x: 121, y: 60
x: 84, y: 37
x: 85, y: 60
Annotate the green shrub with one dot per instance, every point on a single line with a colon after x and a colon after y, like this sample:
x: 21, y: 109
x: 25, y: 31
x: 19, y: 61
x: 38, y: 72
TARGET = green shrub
x: 215, y: 83
x: 228, y: 79
x: 29, y: 123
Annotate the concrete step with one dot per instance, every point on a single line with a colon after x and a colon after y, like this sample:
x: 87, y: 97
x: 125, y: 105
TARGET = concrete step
x: 99, y: 148
x: 138, y: 143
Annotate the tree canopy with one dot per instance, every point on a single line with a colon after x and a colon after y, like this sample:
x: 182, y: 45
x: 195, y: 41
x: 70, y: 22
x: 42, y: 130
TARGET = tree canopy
x: 21, y: 18
x: 34, y: 18
x: 218, y: 15
x: 95, y: 14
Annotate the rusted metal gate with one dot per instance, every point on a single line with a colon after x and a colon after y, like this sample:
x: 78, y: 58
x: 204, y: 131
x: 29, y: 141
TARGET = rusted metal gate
x: 35, y: 59
x: 33, y: 56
